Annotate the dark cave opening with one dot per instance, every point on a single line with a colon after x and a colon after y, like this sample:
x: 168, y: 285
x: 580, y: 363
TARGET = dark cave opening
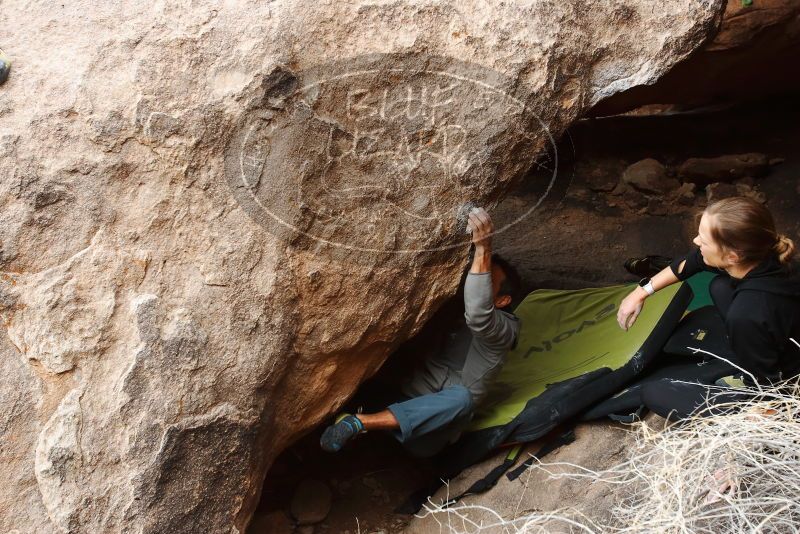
x: 580, y: 239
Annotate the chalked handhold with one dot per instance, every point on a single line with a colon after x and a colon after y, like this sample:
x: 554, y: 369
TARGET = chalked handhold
x: 462, y: 216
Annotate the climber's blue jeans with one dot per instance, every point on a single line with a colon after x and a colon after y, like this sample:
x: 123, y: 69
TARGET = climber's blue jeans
x: 429, y: 422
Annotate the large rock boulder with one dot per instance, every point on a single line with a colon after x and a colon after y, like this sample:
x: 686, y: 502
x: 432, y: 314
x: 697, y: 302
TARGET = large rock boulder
x: 751, y: 57
x: 217, y: 219
x: 704, y: 171
x: 649, y: 176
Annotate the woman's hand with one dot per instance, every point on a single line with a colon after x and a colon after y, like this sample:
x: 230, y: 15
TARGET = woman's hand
x: 630, y: 308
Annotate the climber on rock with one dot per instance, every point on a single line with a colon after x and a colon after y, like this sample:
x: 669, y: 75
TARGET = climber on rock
x: 441, y: 397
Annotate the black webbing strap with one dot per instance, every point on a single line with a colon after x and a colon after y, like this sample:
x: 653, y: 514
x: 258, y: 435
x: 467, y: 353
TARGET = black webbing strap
x: 415, y: 501
x: 631, y: 417
x: 565, y: 438
x: 491, y: 478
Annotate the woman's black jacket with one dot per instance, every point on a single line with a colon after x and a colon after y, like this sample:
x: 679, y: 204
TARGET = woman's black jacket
x: 763, y: 318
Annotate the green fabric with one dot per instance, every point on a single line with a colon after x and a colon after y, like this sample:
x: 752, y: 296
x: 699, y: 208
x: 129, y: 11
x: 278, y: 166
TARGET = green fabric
x: 565, y: 334
x: 513, y: 454
x: 731, y: 382
x: 699, y: 284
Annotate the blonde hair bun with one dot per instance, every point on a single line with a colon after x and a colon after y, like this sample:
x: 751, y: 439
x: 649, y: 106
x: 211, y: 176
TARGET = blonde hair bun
x: 785, y: 248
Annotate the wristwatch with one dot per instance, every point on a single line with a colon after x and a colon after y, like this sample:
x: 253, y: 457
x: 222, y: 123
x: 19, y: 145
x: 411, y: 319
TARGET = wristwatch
x: 647, y: 285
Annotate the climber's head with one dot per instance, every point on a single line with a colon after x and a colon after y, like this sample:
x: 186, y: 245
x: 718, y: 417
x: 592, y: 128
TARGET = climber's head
x: 506, y: 283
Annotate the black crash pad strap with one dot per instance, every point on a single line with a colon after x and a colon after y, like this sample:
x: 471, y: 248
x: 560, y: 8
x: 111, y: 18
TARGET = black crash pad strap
x: 415, y: 501
x: 565, y: 438
x: 488, y: 482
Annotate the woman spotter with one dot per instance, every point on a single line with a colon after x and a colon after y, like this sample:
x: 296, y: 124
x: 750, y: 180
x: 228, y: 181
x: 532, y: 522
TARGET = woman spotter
x: 756, y: 292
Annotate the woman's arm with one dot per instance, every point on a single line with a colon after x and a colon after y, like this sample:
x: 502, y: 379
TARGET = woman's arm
x: 631, y: 306
x: 691, y: 264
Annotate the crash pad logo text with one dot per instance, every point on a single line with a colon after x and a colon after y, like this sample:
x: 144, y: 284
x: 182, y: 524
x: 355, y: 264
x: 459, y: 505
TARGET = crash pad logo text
x: 548, y: 344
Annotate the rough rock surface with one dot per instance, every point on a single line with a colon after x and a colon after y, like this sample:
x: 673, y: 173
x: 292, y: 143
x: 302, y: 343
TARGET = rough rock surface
x: 311, y: 502
x: 536, y: 492
x: 272, y: 523
x: 704, y: 171
x: 649, y: 176
x: 166, y: 334
x: 751, y: 57
x: 720, y: 190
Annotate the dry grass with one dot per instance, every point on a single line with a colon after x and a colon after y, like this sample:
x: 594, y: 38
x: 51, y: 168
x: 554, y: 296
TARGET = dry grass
x: 731, y: 473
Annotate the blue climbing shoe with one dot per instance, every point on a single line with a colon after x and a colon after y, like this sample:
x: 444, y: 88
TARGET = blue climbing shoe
x: 345, y: 428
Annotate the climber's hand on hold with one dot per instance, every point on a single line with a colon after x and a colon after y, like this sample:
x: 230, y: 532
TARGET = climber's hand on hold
x: 481, y: 226
x: 630, y: 308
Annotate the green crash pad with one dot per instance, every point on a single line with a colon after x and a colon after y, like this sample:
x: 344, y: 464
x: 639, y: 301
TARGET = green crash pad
x: 565, y: 335
x: 571, y: 355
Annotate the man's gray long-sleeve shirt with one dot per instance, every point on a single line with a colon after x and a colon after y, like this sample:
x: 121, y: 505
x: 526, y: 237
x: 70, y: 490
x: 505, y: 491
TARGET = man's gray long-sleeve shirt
x: 475, y: 353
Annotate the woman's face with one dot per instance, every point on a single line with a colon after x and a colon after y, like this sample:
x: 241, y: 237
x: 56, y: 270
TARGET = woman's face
x: 712, y: 253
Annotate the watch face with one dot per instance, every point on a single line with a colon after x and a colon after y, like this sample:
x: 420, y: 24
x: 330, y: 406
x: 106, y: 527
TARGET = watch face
x: 643, y: 282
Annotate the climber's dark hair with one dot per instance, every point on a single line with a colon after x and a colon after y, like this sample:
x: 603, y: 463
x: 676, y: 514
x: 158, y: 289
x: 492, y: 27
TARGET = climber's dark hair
x: 512, y: 285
